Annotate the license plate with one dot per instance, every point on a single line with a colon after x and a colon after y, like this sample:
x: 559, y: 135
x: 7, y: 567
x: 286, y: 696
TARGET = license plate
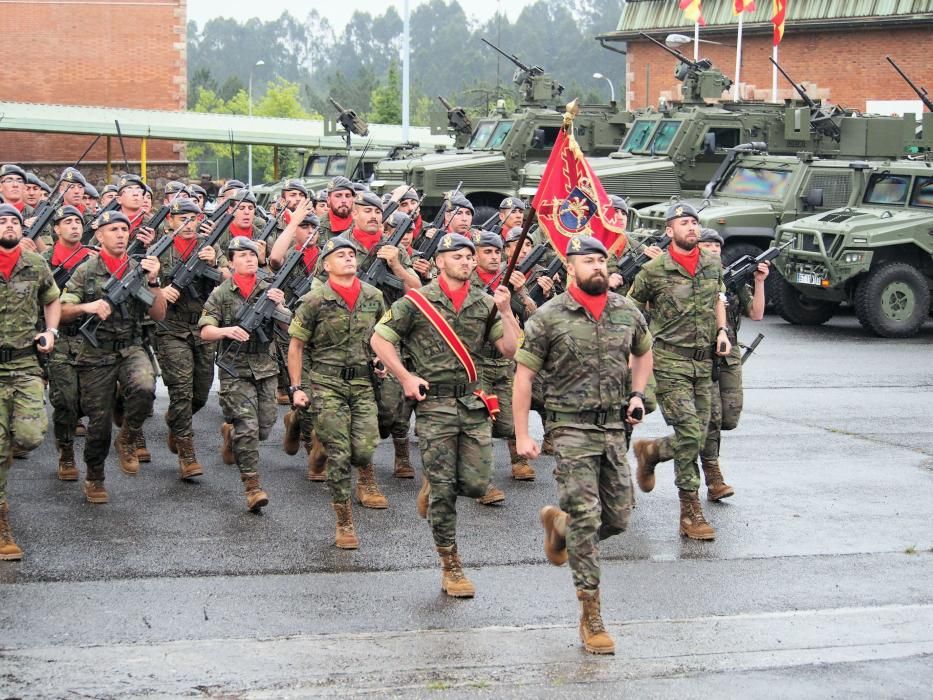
x: 809, y: 278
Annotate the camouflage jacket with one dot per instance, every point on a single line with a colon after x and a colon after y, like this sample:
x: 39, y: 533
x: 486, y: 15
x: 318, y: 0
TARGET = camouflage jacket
x: 182, y: 317
x: 22, y: 298
x: 223, y: 261
x: 69, y: 341
x: 326, y: 231
x: 121, y: 330
x: 429, y: 355
x: 683, y: 308
x: 365, y: 259
x: 585, y: 360
x: 334, y: 335
x: 256, y: 359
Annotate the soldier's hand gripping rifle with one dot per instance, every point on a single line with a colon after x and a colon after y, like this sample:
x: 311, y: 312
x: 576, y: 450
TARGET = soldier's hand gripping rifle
x: 630, y: 263
x: 186, y: 272
x: 536, y: 291
x: 61, y: 273
x: 378, y: 273
x: 457, y: 118
x: 742, y: 271
x: 117, y: 291
x: 823, y: 121
x: 271, y: 224
x: 426, y: 246
x: 921, y: 91
x: 255, y: 318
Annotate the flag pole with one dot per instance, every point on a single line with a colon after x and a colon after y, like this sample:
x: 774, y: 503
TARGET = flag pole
x: 696, y: 41
x: 738, y: 61
x: 774, y: 55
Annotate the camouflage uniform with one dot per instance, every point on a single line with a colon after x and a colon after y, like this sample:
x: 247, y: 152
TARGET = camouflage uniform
x: 338, y: 373
x: 453, y: 424
x: 586, y: 362
x: 326, y: 230
x: 496, y: 373
x: 120, y: 358
x: 684, y: 328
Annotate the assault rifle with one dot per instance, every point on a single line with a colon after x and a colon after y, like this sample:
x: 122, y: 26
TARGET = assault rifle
x: 525, y: 266
x: 272, y: 223
x: 117, y: 291
x: 378, y: 273
x: 89, y: 229
x: 61, y: 274
x: 256, y: 317
x: 47, y: 208
x: 630, y: 263
x: 740, y: 273
x: 536, y: 292
x: 426, y: 246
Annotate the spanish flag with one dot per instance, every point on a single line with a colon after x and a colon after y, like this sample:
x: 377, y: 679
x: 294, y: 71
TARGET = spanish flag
x: 693, y: 11
x: 740, y: 6
x: 777, y: 19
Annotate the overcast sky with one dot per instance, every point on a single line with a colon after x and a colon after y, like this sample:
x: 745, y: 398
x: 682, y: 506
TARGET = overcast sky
x: 337, y: 12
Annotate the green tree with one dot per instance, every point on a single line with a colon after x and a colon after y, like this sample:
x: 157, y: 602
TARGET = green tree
x: 386, y: 104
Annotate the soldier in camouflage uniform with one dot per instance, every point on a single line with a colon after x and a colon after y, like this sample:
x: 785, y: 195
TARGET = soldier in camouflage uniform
x: 107, y: 195
x: 64, y: 392
x: 187, y: 360
x: 682, y: 289
x: 339, y: 219
x: 12, y: 187
x: 248, y: 399
x: 91, y: 200
x: 120, y: 356
x: 726, y: 395
x: 583, y: 340
x: 330, y: 333
x: 33, y: 192
x: 244, y: 225
x: 26, y: 286
x: 511, y: 213
x: 453, y: 421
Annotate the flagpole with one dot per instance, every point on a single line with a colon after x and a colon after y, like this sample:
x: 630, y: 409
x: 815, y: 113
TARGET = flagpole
x: 696, y: 41
x: 738, y: 61
x: 774, y: 55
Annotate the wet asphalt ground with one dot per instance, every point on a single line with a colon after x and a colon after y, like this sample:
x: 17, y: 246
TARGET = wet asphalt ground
x: 819, y: 583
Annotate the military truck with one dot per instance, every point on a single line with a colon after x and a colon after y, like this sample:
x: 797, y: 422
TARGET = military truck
x: 876, y: 254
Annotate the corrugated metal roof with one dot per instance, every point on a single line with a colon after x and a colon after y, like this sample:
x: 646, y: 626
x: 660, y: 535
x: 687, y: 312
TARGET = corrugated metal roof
x: 648, y: 15
x: 197, y: 126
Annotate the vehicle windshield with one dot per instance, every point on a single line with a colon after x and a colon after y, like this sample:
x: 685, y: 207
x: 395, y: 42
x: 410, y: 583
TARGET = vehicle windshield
x: 885, y: 188
x: 638, y: 135
x: 481, y: 135
x: 498, y: 137
x: 757, y: 183
x: 337, y: 166
x: 923, y: 193
x: 661, y: 141
x: 317, y: 165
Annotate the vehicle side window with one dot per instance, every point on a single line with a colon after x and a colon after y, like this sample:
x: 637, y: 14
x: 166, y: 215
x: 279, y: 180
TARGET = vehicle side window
x: 923, y: 193
x: 661, y: 141
x: 726, y: 137
x: 884, y: 188
x: 638, y: 136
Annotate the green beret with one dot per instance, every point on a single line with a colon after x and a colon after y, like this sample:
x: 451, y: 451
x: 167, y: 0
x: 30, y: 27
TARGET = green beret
x: 487, y: 239
x: 312, y: 219
x: 109, y: 188
x: 710, y: 235
x: 585, y: 245
x: 111, y: 217
x: 10, y: 210
x: 73, y: 175
x: 454, y: 241
x: 368, y: 199
x: 242, y: 243
x: 249, y: 198
x: 197, y: 190
x: 91, y: 191
x: 512, y: 203
x: 174, y: 187
x: 320, y: 196
x: 336, y: 243
x: 64, y: 213
x: 681, y: 209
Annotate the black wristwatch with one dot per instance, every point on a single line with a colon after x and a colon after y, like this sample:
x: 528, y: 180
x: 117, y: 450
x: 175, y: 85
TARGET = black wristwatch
x: 291, y: 391
x: 638, y: 394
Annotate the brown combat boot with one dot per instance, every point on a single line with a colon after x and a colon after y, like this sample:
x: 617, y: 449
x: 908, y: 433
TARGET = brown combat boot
x: 142, y: 452
x: 593, y: 634
x: 346, y: 534
x: 171, y: 442
x: 367, y: 490
x: 317, y: 460
x: 492, y: 496
x: 453, y: 581
x: 67, y: 470
x: 521, y: 469
x: 9, y: 550
x: 555, y: 521
x: 126, y: 452
x: 80, y: 429
x: 647, y: 453
x: 292, y: 440
x: 226, y: 449
x: 256, y: 498
x: 692, y: 522
x: 95, y: 492
x: 547, y: 445
x: 716, y: 486
x: 188, y: 466
x: 403, y: 468
x: 424, y: 496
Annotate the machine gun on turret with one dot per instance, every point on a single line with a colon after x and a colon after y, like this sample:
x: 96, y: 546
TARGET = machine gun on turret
x: 700, y: 80
x: 921, y: 91
x: 351, y: 123
x: 822, y: 121
x: 458, y: 122
x: 535, y: 86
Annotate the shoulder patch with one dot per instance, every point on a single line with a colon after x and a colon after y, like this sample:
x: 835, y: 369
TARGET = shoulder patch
x: 386, y: 317
x: 521, y: 338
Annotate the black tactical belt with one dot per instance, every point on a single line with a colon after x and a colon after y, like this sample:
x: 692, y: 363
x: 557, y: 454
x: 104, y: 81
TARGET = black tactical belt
x: 698, y: 354
x: 613, y: 415
x: 451, y: 391
x: 345, y: 373
x: 117, y: 345
x: 10, y: 354
x: 189, y: 318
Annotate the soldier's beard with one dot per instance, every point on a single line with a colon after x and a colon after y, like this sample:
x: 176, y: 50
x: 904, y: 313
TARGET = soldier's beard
x: 8, y: 243
x: 341, y: 212
x: 595, y: 285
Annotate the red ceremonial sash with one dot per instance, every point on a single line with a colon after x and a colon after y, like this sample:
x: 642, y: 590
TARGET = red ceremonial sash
x: 490, y: 401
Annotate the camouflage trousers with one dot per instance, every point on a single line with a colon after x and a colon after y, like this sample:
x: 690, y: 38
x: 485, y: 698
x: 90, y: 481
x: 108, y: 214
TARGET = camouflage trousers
x: 684, y: 396
x: 394, y: 410
x: 64, y: 394
x: 496, y: 378
x: 249, y: 404
x: 23, y: 420
x: 281, y: 356
x: 347, y: 426
x: 726, y: 401
x: 456, y: 450
x: 187, y: 372
x: 133, y: 370
x: 594, y: 486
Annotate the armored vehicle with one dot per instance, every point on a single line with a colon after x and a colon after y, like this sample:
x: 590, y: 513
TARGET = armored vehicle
x: 876, y: 254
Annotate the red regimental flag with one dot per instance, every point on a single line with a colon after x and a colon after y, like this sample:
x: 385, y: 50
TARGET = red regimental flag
x: 571, y: 200
x: 693, y: 11
x: 740, y: 6
x: 777, y: 19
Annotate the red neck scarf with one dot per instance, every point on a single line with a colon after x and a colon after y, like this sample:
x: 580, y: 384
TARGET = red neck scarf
x: 593, y: 304
x: 8, y: 259
x: 136, y: 218
x: 80, y: 207
x: 416, y: 227
x: 184, y: 246
x: 367, y: 240
x: 62, y: 253
x: 349, y: 294
x: 19, y: 206
x: 456, y: 296
x: 287, y: 217
x: 245, y: 283
x: 116, y: 266
x: 486, y: 277
x: 310, y: 256
x: 688, y: 261
x: 338, y: 224
x: 237, y: 231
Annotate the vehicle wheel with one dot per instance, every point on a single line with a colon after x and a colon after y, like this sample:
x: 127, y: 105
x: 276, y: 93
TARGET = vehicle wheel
x: 482, y: 214
x: 893, y: 300
x: 733, y: 251
x: 795, y: 308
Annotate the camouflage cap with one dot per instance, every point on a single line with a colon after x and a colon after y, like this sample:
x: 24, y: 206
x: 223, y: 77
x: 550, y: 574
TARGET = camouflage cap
x: 312, y: 219
x: 73, y: 175
x: 458, y: 201
x: 295, y: 186
x: 64, y: 212
x: 242, y: 243
x: 586, y: 245
x: 710, y: 235
x: 232, y: 185
x: 486, y: 239
x: 681, y: 209
x: 512, y: 203
x: 173, y: 187
x: 514, y: 234
x: 618, y: 202
x: 10, y: 210
x: 130, y: 181
x: 409, y: 196
x: 183, y: 205
x: 91, y: 191
x: 340, y: 183
x: 368, y: 199
x: 12, y: 169
x: 106, y: 218
x: 336, y: 243
x: 454, y: 241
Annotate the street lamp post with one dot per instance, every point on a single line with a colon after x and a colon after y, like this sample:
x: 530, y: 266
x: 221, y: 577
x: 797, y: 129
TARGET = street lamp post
x: 612, y: 90
x: 249, y: 147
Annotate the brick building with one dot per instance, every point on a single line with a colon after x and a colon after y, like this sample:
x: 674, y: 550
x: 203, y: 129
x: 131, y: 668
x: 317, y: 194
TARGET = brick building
x: 836, y: 48
x: 112, y: 53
